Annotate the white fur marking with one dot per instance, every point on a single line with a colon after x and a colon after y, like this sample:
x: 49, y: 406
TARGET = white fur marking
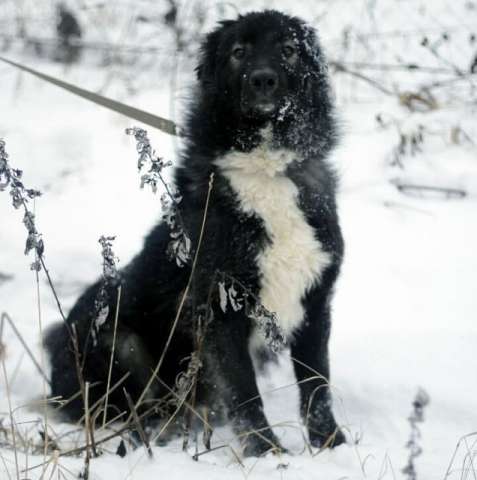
x: 295, y: 260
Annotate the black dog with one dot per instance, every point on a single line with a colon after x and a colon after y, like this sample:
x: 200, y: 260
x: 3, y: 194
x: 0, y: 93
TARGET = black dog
x: 262, y: 122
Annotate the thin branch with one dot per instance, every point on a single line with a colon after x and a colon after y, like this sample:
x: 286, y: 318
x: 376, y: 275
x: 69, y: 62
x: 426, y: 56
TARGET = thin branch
x: 6, y: 317
x: 105, y: 46
x: 12, y: 423
x: 112, y: 355
x: 340, y: 67
x: 383, y: 67
x: 42, y: 359
x: 102, y: 398
x: 447, y: 192
x: 5, y: 466
x: 456, y: 450
x: 137, y: 421
x: 85, y: 474
x: 436, y: 54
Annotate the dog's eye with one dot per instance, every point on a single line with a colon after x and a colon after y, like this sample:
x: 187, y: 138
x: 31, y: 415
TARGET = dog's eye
x: 288, y: 51
x: 238, y: 53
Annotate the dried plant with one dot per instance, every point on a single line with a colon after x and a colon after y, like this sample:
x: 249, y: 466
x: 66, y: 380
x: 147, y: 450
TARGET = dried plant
x: 110, y: 279
x: 420, y: 402
x: 151, y: 167
x: 410, y: 140
x: 11, y: 178
x: 234, y: 293
x: 186, y: 379
x: 268, y: 326
x: 462, y: 463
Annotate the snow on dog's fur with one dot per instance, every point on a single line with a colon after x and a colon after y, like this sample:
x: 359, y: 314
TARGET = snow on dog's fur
x: 262, y: 121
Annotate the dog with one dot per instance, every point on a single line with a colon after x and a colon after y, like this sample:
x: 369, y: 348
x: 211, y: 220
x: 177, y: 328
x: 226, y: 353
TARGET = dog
x: 262, y: 121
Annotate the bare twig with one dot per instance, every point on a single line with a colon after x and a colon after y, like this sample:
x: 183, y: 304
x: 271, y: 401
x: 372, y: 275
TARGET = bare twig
x: 409, y: 67
x: 5, y: 466
x: 84, y: 44
x: 116, y: 315
x: 207, y: 436
x: 42, y: 359
x: 102, y: 398
x: 450, y: 81
x: 85, y: 474
x: 3, y: 348
x: 84, y: 388
x: 462, y: 440
x: 209, y: 450
x: 340, y: 67
x: 12, y: 422
x: 6, y: 317
x: 433, y: 49
x: 414, y: 189
x: 137, y: 421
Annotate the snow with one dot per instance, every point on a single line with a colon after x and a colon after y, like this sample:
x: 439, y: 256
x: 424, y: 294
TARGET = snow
x: 405, y: 306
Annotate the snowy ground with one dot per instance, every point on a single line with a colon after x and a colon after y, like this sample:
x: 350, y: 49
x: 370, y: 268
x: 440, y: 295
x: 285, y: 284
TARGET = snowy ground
x: 404, y: 314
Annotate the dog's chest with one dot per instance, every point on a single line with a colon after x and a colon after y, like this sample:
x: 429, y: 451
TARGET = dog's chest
x: 294, y: 259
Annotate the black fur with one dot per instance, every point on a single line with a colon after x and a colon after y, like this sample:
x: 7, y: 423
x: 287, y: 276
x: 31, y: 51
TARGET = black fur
x: 232, y: 104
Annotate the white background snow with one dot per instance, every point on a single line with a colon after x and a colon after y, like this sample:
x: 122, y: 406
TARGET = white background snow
x: 405, y: 312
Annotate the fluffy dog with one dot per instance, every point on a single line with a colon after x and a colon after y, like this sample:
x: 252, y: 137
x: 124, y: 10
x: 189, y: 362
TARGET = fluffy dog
x: 262, y: 121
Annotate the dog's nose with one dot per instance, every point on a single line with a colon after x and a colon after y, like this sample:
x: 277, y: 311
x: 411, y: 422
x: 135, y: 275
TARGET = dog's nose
x: 264, y: 81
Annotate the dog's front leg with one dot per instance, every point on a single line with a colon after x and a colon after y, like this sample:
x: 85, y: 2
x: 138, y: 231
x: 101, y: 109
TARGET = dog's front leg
x: 234, y: 382
x: 309, y: 352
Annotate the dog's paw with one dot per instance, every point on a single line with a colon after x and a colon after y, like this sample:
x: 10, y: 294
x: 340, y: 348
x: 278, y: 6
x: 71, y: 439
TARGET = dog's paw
x: 329, y: 439
x: 258, y: 445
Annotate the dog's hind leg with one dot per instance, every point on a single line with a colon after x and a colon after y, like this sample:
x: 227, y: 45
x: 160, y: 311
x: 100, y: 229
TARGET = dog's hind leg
x: 65, y: 387
x: 131, y: 371
x: 132, y: 356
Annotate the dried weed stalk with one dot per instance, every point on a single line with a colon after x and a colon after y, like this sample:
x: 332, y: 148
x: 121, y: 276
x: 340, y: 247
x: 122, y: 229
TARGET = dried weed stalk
x: 11, y: 178
x: 151, y: 167
x: 420, y: 402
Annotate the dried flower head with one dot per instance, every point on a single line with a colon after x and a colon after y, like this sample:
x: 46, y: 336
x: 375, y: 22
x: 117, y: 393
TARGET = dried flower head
x: 151, y: 167
x: 11, y: 178
x: 236, y: 295
x: 111, y: 278
x: 420, y: 402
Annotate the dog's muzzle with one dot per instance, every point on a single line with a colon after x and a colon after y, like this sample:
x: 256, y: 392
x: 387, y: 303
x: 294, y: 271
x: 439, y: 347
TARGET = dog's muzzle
x: 261, y: 88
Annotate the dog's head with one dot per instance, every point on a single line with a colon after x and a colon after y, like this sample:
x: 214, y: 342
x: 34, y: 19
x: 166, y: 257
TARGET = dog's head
x: 261, y: 65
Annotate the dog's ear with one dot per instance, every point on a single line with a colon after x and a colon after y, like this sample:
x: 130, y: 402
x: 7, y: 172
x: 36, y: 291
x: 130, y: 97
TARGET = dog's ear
x: 205, y: 69
x: 315, y: 80
x: 313, y: 51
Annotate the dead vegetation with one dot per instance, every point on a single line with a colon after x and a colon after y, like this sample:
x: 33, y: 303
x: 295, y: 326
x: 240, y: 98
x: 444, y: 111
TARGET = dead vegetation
x: 449, y: 80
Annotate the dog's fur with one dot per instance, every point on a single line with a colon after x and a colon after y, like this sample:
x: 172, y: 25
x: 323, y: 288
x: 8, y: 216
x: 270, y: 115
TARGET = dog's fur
x: 262, y: 121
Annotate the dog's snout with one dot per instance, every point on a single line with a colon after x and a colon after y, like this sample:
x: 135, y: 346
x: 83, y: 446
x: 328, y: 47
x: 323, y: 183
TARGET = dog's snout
x: 264, y: 81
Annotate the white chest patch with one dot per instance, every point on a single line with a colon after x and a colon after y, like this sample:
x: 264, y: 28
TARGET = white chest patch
x: 295, y: 259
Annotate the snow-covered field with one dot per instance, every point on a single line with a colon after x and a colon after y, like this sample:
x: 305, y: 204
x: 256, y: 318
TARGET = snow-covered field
x: 405, y: 313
